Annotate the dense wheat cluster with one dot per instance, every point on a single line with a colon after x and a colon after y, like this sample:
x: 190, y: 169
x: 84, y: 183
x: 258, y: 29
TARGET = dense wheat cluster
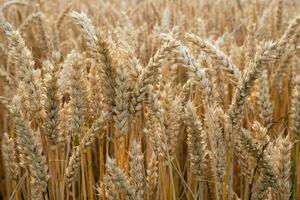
x: 150, y: 99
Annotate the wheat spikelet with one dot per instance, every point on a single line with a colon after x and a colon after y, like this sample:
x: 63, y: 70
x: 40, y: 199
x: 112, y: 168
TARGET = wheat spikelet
x: 10, y: 156
x: 73, y: 166
x: 282, y: 69
x: 262, y: 151
x: 30, y: 146
x: 153, y: 130
x: 284, y: 146
x: 171, y: 105
x: 152, y: 174
x: 95, y: 96
x: 250, y: 42
x: 52, y: 105
x: 198, y: 150
x: 149, y: 74
x: 286, y: 59
x: 110, y: 189
x: 246, y: 82
x: 137, y: 169
x: 288, y: 36
x: 216, y: 141
x: 121, y: 101
x: 29, y: 84
x: 279, y: 12
x: 245, y: 159
x: 94, y: 131
x: 77, y: 92
x: 198, y: 74
x: 42, y: 32
x: 264, y: 98
x: 101, y: 50
x: 295, y: 107
x: 86, y: 141
x: 120, y: 181
x: 64, y: 125
x: 216, y: 54
x: 58, y: 23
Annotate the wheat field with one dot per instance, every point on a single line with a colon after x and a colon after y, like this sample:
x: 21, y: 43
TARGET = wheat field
x: 149, y: 99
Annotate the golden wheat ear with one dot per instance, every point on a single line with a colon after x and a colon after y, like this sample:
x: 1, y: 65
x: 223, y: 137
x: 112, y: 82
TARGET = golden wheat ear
x: 29, y: 78
x: 197, y: 141
x: 100, y: 49
x: 10, y: 156
x: 29, y: 144
x: 119, y: 180
x: 149, y: 99
x: 52, y: 105
x: 137, y: 169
